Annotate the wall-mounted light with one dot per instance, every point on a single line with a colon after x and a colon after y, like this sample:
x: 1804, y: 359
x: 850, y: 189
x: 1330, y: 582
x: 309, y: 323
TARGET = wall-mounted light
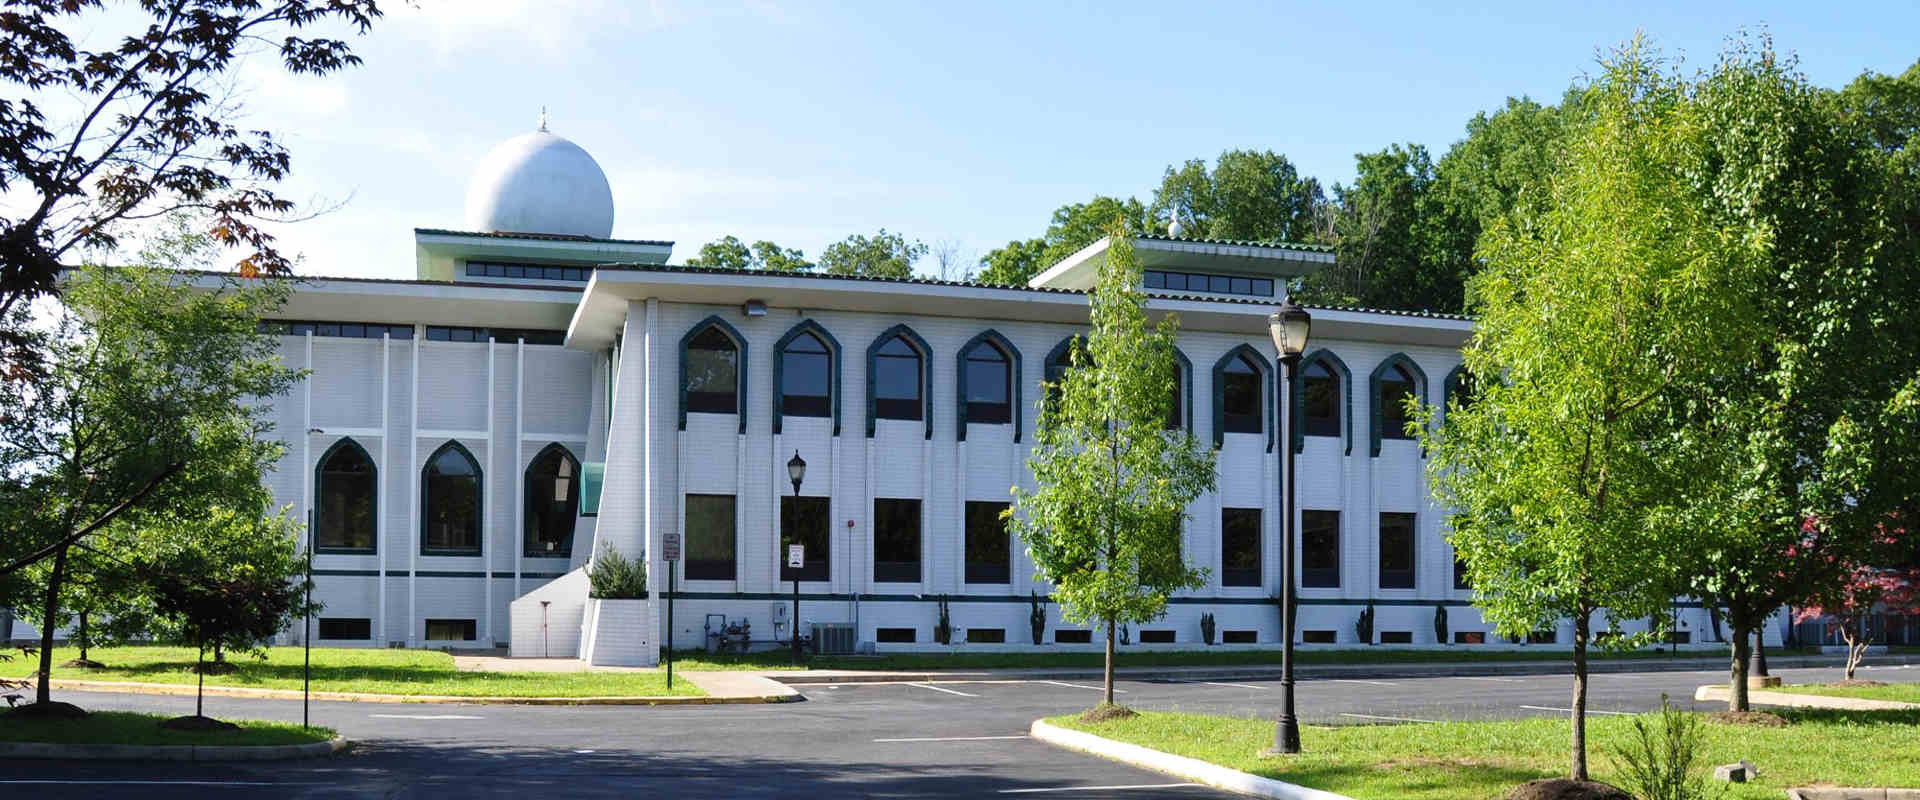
x: 754, y: 308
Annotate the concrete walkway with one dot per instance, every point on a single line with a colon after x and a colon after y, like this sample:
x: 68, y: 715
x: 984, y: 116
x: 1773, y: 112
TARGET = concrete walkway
x: 1792, y: 700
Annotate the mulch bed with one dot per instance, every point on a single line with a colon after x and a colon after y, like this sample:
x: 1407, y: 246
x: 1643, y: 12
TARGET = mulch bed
x: 1567, y: 789
x: 199, y: 725
x: 1104, y: 712
x: 1761, y: 719
x: 1852, y: 684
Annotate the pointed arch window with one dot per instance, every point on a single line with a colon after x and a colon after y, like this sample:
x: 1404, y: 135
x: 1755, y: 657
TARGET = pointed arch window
x: 1395, y: 387
x: 450, y: 503
x: 897, y: 370
x: 1180, y: 412
x: 805, y: 388
x: 712, y: 360
x: 552, y: 503
x: 345, y: 499
x: 1320, y: 399
x: 989, y: 379
x: 1240, y: 396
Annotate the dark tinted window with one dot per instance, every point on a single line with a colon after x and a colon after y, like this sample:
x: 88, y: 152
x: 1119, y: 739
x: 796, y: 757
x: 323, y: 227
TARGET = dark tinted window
x: 989, y: 550
x: 1176, y: 408
x: 1320, y: 549
x: 989, y: 389
x: 1396, y: 550
x: 363, y: 330
x: 552, y: 502
x: 1320, y: 400
x: 451, y: 513
x: 708, y: 548
x: 897, y: 380
x: 805, y: 371
x: 1395, y: 387
x: 346, y: 628
x: 485, y: 269
x: 1240, y: 391
x: 896, y: 541
x: 803, y: 521
x: 344, y: 499
x: 713, y: 372
x: 1460, y: 574
x: 457, y: 630
x: 1239, y: 547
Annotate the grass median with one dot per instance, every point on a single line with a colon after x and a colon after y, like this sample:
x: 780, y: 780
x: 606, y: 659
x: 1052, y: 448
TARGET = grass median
x: 368, y: 671
x: 779, y: 659
x: 120, y: 727
x: 1475, y: 760
x: 1897, y: 692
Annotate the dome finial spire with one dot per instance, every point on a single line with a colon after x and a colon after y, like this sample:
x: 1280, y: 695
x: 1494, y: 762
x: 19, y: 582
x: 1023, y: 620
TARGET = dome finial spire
x: 543, y: 119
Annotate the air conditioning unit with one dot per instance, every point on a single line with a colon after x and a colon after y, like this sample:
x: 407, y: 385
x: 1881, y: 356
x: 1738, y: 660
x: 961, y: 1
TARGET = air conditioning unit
x: 833, y: 638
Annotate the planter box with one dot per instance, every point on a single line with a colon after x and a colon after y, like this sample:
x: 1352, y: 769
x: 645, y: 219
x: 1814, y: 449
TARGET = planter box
x: 618, y: 633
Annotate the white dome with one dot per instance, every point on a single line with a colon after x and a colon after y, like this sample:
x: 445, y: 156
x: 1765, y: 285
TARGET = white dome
x: 540, y: 183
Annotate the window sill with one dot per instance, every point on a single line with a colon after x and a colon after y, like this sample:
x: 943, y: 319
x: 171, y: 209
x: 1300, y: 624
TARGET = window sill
x: 344, y: 551
x: 450, y: 553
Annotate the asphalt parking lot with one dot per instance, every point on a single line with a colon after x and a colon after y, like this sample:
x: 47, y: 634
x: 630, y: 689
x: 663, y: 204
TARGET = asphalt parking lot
x: 935, y: 739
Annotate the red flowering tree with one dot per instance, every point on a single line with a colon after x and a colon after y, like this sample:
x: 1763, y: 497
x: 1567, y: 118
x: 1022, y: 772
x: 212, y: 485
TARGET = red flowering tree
x: 1856, y: 591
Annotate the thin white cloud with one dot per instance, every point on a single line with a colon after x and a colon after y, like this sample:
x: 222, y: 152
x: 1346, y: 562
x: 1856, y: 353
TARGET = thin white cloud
x: 553, y: 27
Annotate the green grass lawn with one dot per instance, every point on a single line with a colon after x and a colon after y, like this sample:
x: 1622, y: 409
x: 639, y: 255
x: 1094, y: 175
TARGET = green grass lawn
x: 701, y: 660
x: 1897, y: 692
x: 409, y: 672
x: 1480, y: 760
x: 120, y: 727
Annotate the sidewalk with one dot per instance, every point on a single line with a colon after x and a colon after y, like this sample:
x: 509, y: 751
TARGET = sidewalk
x: 1311, y: 672
x: 722, y: 688
x: 1792, y: 700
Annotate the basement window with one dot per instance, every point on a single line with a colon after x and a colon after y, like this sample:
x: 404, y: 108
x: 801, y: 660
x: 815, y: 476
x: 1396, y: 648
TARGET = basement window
x: 987, y: 635
x: 1469, y: 637
x: 896, y: 635
x: 1396, y: 637
x: 454, y: 630
x: 1070, y: 636
x: 1317, y: 637
x: 1239, y: 637
x: 1156, y: 637
x: 346, y: 628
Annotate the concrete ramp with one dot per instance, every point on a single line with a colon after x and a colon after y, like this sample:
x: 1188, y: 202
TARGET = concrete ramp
x: 552, y: 630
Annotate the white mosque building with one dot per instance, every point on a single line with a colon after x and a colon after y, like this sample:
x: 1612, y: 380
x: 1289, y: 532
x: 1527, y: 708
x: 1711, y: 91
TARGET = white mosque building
x: 541, y: 391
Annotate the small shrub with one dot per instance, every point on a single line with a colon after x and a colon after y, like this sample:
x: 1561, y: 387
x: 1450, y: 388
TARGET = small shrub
x: 1657, y: 760
x: 1037, y: 618
x: 943, y: 627
x: 1439, y: 623
x: 1363, y: 627
x: 1206, y: 627
x: 615, y: 577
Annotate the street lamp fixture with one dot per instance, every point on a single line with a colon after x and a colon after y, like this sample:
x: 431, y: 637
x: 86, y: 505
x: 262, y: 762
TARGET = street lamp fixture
x: 797, y: 472
x: 1288, y: 327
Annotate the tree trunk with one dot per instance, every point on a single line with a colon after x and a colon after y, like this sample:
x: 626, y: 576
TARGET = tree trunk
x: 1581, y: 625
x: 1108, y: 688
x: 1760, y: 648
x: 1856, y: 647
x: 83, y: 636
x: 1737, y: 688
x: 49, y: 617
x: 200, y: 693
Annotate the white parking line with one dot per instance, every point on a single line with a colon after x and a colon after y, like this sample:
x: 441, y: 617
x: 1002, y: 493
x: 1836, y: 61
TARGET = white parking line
x: 954, y: 738
x: 1234, y: 685
x: 1590, y: 711
x: 1098, y: 788
x: 1395, y: 719
x: 1357, y: 680
x: 423, y: 716
x: 1495, y: 680
x: 938, y: 689
x: 85, y: 782
x: 1079, y: 686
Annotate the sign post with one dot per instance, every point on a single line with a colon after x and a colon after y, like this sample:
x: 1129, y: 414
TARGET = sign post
x: 672, y: 548
x: 796, y: 558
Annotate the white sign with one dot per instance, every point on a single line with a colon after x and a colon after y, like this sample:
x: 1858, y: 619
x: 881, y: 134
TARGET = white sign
x: 672, y: 546
x: 796, y: 556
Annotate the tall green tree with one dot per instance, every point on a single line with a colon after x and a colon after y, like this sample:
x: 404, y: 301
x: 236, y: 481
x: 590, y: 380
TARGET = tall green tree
x: 145, y: 378
x: 883, y: 255
x: 1562, y: 472
x: 1810, y: 423
x: 1112, y: 482
x: 1074, y: 226
x: 1248, y: 194
x: 729, y: 252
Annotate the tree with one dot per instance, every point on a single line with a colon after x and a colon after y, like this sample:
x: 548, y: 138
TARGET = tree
x: 1112, y: 483
x: 884, y: 255
x: 1251, y: 195
x: 149, y: 396
x: 141, y: 127
x: 1858, y: 590
x: 730, y: 253
x: 948, y: 262
x: 1073, y: 226
x: 1559, y: 472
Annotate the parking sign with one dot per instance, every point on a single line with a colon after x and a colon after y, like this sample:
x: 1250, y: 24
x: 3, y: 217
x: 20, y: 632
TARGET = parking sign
x: 796, y: 556
x: 672, y: 547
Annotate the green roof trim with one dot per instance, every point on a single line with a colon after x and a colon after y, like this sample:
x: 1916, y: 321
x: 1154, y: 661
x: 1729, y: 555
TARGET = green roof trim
x: 593, y: 475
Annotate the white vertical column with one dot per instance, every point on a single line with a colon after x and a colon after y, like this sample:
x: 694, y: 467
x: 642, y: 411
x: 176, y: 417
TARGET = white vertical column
x: 385, y: 470
x: 413, y: 496
x: 306, y: 453
x: 649, y: 424
x: 516, y: 539
x: 487, y: 528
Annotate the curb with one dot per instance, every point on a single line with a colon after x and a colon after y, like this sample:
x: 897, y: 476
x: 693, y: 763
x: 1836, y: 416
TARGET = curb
x: 1303, y: 672
x: 129, y: 687
x: 1191, y: 769
x: 171, y: 752
x: 1719, y: 693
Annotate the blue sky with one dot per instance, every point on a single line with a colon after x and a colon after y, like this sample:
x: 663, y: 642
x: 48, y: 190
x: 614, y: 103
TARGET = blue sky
x: 959, y: 122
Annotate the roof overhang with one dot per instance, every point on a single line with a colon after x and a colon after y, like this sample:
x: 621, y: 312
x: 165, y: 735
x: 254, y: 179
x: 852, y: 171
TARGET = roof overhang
x: 602, y: 311
x: 544, y: 249
x: 424, y: 302
x: 1080, y: 270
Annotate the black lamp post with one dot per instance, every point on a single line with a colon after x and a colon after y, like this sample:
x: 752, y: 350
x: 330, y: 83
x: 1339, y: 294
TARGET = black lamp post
x: 797, y: 472
x: 1288, y: 327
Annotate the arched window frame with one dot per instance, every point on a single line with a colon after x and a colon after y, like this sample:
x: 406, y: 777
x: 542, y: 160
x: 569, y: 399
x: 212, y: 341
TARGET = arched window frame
x: 526, y: 499
x: 990, y: 338
x: 1183, y: 370
x: 319, y: 490
x: 1373, y: 392
x: 1267, y: 384
x: 1298, y: 415
x: 1453, y: 387
x: 919, y: 345
x: 740, y: 384
x: 1058, y: 355
x: 479, y: 502
x: 833, y: 370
